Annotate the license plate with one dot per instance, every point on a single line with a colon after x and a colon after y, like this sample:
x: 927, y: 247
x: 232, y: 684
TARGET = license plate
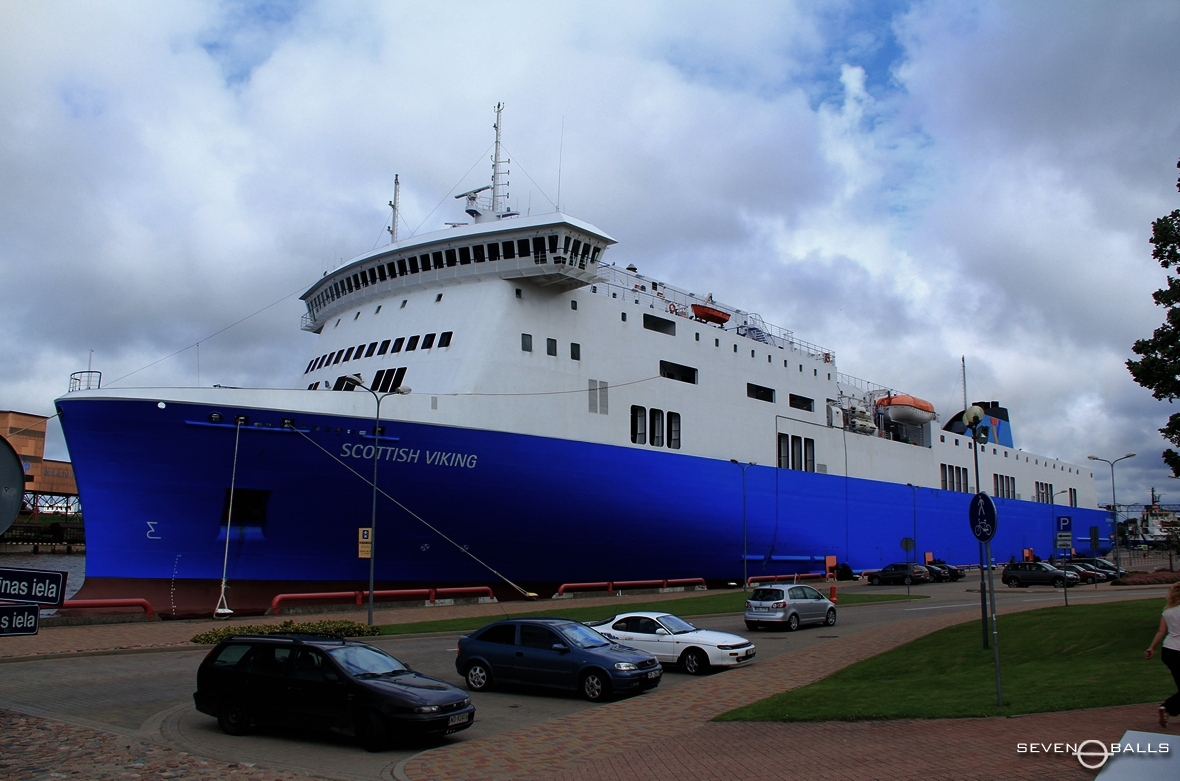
x: 458, y: 718
x: 750, y: 652
x: 655, y: 673
x: 761, y: 610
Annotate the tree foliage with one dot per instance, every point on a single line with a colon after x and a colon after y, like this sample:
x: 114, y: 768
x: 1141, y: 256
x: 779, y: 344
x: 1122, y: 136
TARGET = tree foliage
x: 1158, y: 369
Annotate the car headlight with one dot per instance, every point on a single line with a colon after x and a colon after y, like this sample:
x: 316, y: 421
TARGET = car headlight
x: 625, y: 666
x: 426, y: 709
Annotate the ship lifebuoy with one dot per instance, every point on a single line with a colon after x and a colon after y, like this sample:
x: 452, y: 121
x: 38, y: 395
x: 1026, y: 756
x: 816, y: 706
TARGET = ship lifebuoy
x: 672, y: 308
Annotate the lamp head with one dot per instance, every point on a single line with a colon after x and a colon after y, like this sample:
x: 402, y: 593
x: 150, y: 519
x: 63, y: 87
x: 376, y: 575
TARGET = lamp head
x: 972, y: 415
x: 1094, y: 458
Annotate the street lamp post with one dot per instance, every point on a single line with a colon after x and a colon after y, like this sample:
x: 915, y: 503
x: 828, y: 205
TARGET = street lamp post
x: 1053, y: 518
x: 379, y: 397
x: 1114, y: 506
x: 745, y: 563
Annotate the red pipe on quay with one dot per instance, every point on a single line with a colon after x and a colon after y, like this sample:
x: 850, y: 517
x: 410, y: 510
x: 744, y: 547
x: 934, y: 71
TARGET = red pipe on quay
x: 85, y: 604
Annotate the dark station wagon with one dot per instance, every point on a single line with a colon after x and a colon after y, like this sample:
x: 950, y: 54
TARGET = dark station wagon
x: 557, y: 653
x: 332, y: 684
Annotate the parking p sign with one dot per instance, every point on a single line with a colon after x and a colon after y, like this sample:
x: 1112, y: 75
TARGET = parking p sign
x: 1064, y: 524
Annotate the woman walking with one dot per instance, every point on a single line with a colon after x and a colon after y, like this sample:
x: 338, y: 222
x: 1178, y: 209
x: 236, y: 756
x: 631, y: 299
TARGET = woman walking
x: 1170, y: 626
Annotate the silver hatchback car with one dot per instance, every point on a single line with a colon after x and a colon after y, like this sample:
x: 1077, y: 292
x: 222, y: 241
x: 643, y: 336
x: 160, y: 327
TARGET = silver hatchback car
x: 789, y: 606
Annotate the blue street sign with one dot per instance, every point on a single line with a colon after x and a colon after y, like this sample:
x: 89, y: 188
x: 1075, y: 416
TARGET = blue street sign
x: 982, y: 515
x: 1064, y: 523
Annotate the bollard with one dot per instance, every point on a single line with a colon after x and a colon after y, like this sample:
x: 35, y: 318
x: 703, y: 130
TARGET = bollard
x: 832, y: 595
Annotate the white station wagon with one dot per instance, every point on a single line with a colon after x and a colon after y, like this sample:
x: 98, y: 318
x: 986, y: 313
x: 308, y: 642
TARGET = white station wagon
x: 673, y: 640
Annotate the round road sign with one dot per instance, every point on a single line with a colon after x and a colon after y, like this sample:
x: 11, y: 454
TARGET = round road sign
x: 982, y: 516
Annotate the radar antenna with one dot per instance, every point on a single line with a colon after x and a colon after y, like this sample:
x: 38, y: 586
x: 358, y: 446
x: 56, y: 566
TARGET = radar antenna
x: 397, y: 189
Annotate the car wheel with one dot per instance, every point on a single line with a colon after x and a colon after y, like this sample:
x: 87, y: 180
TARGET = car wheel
x: 595, y: 686
x: 908, y: 580
x: 793, y: 622
x: 233, y: 718
x: 1013, y: 582
x: 372, y: 731
x: 478, y: 677
x: 752, y: 625
x: 1058, y: 582
x: 694, y: 661
x: 874, y: 580
x: 830, y: 618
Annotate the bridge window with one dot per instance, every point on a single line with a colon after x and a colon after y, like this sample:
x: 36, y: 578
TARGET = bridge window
x: 372, y: 349
x: 477, y: 252
x: 384, y: 348
x: 493, y: 252
x: 801, y: 402
x: 348, y: 355
x: 638, y: 425
x: 413, y: 264
x: 509, y: 250
x: 575, y: 351
x: 465, y: 256
x: 444, y: 339
x: 551, y: 347
x: 657, y: 428
x: 412, y: 344
x: 450, y: 258
x: 526, y: 342
x: 522, y: 248
x: 674, y: 430
x: 427, y: 341
x: 659, y: 325
x: 397, y: 344
x: 676, y: 371
x: 759, y: 392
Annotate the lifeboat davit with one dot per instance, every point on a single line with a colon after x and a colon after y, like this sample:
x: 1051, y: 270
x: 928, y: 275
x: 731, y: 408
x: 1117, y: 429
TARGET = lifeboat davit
x: 709, y: 315
x: 906, y: 409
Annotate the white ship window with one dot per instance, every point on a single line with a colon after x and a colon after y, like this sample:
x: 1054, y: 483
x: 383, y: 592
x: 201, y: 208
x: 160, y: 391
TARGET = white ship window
x: 768, y: 359
x: 493, y: 252
x: 657, y: 428
x: 392, y: 269
x: 808, y: 454
x: 575, y: 351
x: 339, y: 355
x: 551, y: 347
x: 450, y: 258
x: 624, y: 317
x: 444, y: 339
x: 526, y: 342
x: 829, y: 376
x: 553, y: 243
x: 801, y: 402
x: 676, y: 371
x: 360, y: 349
x: 313, y: 386
x: 716, y: 342
x: 509, y: 250
x: 413, y: 264
x: 348, y: 355
x: 735, y: 348
x: 752, y: 353
x: 522, y: 248
x: 698, y: 336
x: 373, y: 276
x: 1073, y: 497
x: 674, y: 430
x: 539, y: 248
x: 638, y: 425
x: 310, y: 364
x: 815, y: 372
x: 404, y: 302
x: 464, y: 256
x: 574, y: 305
x: 592, y: 393
x: 659, y: 325
x: 401, y: 267
x: 397, y: 344
x: 412, y: 344
x: 759, y: 392
x: 603, y: 406
x: 377, y: 311
x: 518, y: 295
x: 372, y: 349
x: 477, y: 253
x: 427, y: 341
x: 356, y: 316
x: 384, y: 348
x: 594, y: 255
x: 1005, y: 454
x: 942, y: 438
x: 577, y: 247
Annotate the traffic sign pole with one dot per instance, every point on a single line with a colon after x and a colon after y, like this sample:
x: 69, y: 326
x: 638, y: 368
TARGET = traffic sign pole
x: 995, y: 630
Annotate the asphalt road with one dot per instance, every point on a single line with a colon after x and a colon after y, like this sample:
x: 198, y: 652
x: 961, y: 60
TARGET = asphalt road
x: 150, y: 694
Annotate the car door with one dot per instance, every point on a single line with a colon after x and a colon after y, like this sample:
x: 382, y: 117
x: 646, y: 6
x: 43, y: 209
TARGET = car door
x: 797, y: 601
x: 816, y: 607
x: 892, y: 574
x: 267, y: 682
x: 316, y: 702
x: 651, y: 636
x: 537, y: 661
x: 497, y: 645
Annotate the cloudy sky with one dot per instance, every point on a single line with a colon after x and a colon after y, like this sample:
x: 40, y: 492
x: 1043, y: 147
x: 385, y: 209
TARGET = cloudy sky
x: 904, y: 183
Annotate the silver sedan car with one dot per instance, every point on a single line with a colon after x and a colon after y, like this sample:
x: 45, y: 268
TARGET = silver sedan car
x: 789, y: 606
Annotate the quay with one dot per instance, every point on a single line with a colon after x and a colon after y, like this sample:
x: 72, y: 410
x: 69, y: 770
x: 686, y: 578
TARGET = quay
x: 108, y: 722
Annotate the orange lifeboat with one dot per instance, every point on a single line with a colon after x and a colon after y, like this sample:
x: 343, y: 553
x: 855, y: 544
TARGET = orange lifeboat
x: 906, y: 409
x: 709, y: 315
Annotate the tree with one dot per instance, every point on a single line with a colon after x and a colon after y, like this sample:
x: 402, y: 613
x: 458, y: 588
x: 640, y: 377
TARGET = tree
x: 1158, y: 369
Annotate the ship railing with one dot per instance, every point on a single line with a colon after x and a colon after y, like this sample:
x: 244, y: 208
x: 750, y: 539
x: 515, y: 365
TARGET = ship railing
x: 864, y: 386
x: 668, y: 300
x: 87, y: 380
x: 431, y: 595
x: 308, y: 322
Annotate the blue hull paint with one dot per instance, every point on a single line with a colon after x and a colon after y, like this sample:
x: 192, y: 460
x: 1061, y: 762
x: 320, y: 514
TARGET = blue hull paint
x: 153, y: 484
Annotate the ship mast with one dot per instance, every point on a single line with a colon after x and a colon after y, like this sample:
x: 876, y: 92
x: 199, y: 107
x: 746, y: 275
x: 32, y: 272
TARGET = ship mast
x: 397, y: 190
x: 497, y: 162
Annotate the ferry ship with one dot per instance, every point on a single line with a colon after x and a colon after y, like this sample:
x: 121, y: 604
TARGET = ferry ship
x: 534, y: 412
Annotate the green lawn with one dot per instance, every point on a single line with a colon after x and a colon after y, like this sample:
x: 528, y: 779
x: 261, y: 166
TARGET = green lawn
x: 1060, y: 658
x: 709, y: 604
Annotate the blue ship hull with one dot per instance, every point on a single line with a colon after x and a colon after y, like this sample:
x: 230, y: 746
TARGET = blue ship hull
x: 154, y: 485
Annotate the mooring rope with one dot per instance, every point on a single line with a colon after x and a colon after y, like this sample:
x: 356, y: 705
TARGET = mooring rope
x: 222, y: 610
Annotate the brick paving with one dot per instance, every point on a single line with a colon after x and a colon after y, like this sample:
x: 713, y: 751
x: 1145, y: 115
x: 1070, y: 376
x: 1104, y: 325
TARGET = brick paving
x: 43, y: 749
x: 662, y: 734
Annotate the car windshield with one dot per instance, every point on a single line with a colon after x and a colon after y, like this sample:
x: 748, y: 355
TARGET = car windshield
x: 582, y: 636
x: 676, y: 626
x: 365, y: 662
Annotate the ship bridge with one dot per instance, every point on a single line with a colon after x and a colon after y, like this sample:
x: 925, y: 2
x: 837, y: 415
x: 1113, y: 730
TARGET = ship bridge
x: 552, y: 250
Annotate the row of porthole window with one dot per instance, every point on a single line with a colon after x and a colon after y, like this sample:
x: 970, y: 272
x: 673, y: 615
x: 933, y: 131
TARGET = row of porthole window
x: 654, y: 427
x: 538, y: 247
x: 1036, y: 462
x: 388, y: 346
x: 526, y: 344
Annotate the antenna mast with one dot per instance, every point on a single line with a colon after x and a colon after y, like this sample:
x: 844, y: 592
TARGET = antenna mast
x: 963, y: 358
x: 497, y: 174
x: 397, y: 190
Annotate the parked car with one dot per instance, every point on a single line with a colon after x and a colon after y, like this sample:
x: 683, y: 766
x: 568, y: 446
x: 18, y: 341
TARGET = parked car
x: 332, y: 684
x: 1102, y: 574
x: 955, y: 573
x: 1037, y: 573
x: 903, y: 573
x: 1103, y: 565
x: 1084, y: 575
x: 672, y: 640
x: 788, y: 606
x: 554, y: 652
x: 939, y: 573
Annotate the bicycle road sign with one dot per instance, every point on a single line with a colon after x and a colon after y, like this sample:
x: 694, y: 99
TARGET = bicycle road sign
x: 982, y: 516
